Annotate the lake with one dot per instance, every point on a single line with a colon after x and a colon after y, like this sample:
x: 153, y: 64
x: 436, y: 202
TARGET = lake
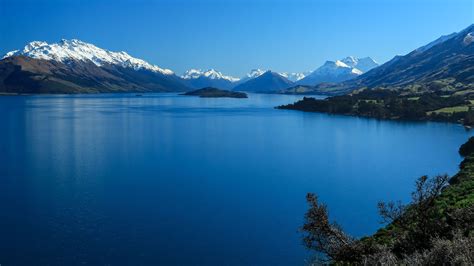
x: 117, y: 179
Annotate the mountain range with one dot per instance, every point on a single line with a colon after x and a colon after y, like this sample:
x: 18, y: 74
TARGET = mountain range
x: 197, y: 78
x: 332, y: 71
x: 73, y: 66
x: 444, y: 64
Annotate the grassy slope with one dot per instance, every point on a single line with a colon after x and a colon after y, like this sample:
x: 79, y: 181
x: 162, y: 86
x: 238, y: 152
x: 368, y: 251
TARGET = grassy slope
x: 459, y: 194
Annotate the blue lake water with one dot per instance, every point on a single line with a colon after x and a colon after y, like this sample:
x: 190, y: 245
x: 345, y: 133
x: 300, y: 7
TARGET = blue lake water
x: 175, y: 180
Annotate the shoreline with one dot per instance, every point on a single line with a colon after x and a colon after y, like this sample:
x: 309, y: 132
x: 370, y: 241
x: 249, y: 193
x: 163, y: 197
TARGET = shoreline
x: 391, y: 106
x: 468, y: 127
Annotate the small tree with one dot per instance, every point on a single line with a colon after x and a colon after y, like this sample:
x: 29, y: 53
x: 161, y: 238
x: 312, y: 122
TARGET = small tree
x: 325, y: 237
x: 416, y: 224
x: 412, y: 227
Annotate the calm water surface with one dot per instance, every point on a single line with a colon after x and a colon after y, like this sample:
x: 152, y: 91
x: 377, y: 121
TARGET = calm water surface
x: 168, y: 179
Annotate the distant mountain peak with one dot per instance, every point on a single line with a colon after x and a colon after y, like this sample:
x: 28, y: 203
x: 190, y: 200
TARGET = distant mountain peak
x: 363, y: 64
x: 268, y: 81
x: 197, y: 78
x: 256, y: 72
x: 191, y: 74
x: 292, y: 76
x: 338, y: 66
x: 74, y: 49
x: 210, y: 73
x: 339, y: 70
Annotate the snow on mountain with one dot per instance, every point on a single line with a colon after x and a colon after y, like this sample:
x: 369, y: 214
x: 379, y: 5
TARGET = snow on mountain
x: 74, y: 49
x: 469, y: 38
x: 196, y: 78
x: 336, y: 68
x: 10, y: 54
x: 266, y: 82
x: 211, y: 74
x: 330, y: 71
x: 339, y: 70
x: 254, y: 73
x: 192, y: 74
x: 195, y: 74
x: 448, y: 58
x: 363, y: 64
x: 67, y: 50
x: 292, y: 76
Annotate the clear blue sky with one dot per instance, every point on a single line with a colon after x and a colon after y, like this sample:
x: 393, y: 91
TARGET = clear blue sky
x: 235, y: 36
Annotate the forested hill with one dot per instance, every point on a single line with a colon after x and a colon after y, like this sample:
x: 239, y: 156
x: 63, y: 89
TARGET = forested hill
x: 394, y: 105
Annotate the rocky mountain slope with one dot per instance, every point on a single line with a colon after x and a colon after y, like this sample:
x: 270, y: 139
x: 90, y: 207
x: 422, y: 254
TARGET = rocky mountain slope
x: 267, y: 82
x: 73, y: 66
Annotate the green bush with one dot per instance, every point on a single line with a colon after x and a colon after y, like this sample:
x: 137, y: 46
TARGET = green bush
x: 467, y: 148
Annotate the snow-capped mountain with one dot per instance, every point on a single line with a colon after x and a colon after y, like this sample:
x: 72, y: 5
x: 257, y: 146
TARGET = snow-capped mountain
x: 339, y: 70
x: 67, y: 50
x: 255, y: 73
x: 73, y: 66
x: 331, y: 71
x: 211, y: 74
x: 267, y: 82
x: 449, y: 58
x: 363, y: 64
x: 252, y: 74
x: 293, y: 76
x: 198, y: 79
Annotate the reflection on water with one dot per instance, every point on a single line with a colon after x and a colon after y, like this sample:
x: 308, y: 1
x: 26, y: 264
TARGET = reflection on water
x: 162, y: 178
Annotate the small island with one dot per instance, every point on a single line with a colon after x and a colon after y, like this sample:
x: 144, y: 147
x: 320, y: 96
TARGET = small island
x: 210, y: 92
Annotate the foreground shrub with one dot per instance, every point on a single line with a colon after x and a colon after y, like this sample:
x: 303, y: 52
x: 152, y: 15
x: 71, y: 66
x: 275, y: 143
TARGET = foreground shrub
x: 467, y: 148
x: 420, y: 233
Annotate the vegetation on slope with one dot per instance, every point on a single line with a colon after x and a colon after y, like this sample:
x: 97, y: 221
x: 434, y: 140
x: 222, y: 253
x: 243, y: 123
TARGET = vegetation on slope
x: 436, y: 228
x: 21, y: 74
x: 395, y: 105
